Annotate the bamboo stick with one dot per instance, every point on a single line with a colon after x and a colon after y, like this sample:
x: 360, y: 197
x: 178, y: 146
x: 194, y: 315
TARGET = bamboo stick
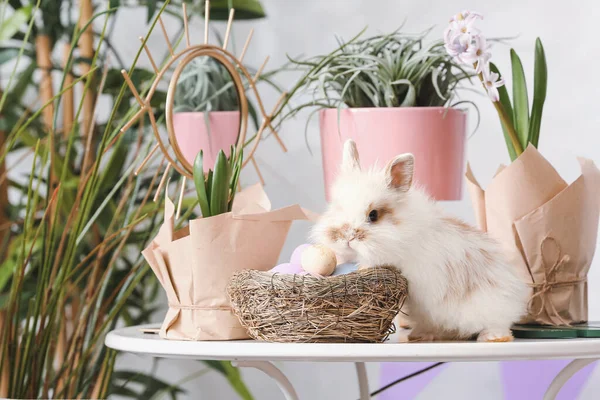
x: 245, y: 48
x: 134, y: 119
x: 206, y: 19
x: 154, y: 67
x: 86, y: 50
x: 228, y: 30
x: 146, y: 159
x: 260, y: 70
x: 68, y: 96
x: 185, y: 24
x: 166, y: 35
x: 44, y: 62
x: 162, y: 182
x: 132, y: 88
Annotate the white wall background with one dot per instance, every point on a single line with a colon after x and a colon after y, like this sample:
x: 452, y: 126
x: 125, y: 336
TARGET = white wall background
x: 570, y: 128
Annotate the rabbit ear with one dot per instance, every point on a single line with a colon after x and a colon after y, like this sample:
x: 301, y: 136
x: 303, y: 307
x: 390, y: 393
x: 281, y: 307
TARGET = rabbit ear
x: 350, y: 160
x: 399, y: 172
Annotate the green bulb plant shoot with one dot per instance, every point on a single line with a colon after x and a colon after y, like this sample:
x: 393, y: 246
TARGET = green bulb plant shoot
x: 520, y: 126
x: 216, y: 189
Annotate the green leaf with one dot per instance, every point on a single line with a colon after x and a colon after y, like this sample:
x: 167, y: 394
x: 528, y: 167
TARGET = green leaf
x: 220, y: 185
x: 150, y: 384
x: 540, y: 83
x: 151, y: 6
x: 209, y: 179
x: 505, y: 101
x: 232, y: 374
x: 244, y: 9
x: 114, y: 3
x: 7, y: 268
x: 199, y: 183
x: 12, y: 24
x: 7, y: 54
x: 235, y: 380
x: 520, y: 99
x: 235, y: 176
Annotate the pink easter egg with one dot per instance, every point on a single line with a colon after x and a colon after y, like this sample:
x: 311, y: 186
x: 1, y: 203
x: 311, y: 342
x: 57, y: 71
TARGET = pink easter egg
x: 288, y: 268
x: 297, y: 254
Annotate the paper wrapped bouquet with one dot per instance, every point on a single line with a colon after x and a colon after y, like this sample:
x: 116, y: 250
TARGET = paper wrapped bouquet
x: 548, y: 228
x: 195, y: 263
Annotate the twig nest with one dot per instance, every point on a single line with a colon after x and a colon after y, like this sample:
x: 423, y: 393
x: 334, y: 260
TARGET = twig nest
x: 355, y: 307
x: 318, y: 260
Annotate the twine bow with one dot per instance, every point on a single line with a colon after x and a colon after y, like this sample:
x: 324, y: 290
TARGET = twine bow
x: 541, y: 290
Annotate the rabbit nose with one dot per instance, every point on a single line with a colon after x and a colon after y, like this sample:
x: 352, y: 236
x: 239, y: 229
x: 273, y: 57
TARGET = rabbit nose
x: 351, y: 235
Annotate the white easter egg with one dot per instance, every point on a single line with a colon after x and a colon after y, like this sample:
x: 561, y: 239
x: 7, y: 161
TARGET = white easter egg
x: 318, y: 260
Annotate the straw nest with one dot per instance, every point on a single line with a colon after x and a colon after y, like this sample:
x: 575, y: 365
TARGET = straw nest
x: 356, y: 307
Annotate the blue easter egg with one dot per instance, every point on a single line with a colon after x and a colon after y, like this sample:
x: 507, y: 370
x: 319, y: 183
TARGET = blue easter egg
x: 345, y: 268
x: 288, y: 268
x: 297, y: 254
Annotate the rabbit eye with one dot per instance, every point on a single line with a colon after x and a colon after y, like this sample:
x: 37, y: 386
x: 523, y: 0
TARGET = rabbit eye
x: 373, y: 216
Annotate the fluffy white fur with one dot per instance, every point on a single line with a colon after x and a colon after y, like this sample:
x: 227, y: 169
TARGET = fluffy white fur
x: 459, y: 284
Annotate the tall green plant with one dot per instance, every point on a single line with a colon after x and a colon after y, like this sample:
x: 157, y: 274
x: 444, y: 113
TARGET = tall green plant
x: 70, y: 264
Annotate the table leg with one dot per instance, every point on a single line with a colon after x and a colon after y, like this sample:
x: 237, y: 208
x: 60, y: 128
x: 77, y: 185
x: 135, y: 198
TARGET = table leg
x: 363, y: 381
x: 275, y: 373
x: 564, y: 375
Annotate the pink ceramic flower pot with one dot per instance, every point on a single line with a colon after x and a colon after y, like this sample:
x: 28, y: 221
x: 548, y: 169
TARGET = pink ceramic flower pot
x: 434, y: 135
x: 192, y: 135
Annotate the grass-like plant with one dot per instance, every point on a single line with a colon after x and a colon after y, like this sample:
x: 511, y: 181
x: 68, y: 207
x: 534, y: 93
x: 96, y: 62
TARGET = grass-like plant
x: 70, y: 241
x: 392, y: 70
x: 216, y: 189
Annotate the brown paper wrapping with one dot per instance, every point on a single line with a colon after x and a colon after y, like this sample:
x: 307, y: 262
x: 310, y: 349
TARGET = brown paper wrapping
x: 195, y: 263
x: 548, y: 229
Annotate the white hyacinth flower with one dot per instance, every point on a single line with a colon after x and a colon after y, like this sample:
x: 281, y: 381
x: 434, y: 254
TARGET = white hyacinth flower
x: 492, y: 82
x: 460, y: 33
x: 477, y: 54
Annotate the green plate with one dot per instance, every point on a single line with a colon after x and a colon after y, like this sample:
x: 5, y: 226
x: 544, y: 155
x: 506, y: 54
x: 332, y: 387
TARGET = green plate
x: 590, y: 329
x: 542, y: 332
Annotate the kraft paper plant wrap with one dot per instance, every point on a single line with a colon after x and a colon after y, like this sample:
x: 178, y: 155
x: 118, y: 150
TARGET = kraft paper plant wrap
x: 195, y: 263
x: 548, y: 229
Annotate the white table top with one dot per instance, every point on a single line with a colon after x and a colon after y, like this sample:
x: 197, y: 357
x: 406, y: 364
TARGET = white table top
x: 132, y: 340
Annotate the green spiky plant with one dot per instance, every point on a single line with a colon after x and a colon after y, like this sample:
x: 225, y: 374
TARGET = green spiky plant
x: 392, y: 70
x: 203, y: 86
x: 70, y: 241
x: 216, y: 189
x: 520, y: 126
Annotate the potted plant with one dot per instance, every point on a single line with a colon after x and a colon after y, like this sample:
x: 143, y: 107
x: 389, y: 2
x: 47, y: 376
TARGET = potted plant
x: 391, y: 94
x: 194, y: 264
x: 206, y: 109
x: 547, y: 227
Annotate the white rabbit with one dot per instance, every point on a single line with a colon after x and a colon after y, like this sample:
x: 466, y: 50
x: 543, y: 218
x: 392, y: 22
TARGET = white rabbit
x: 459, y: 284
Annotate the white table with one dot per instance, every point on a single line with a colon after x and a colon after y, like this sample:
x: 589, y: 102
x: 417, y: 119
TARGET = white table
x: 260, y: 355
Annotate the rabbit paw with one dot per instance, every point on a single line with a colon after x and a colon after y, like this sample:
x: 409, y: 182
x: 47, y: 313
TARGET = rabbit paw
x: 495, y: 336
